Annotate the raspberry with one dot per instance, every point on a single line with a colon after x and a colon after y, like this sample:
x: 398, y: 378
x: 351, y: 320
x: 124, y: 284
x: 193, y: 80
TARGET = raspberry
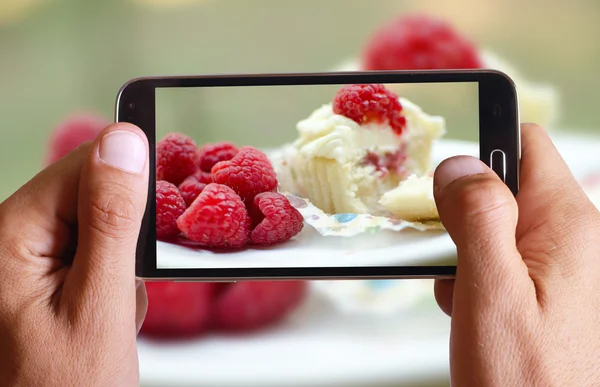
x: 277, y: 221
x: 249, y: 173
x: 370, y: 104
x: 176, y: 158
x: 210, y: 154
x: 247, y: 306
x: 217, y: 218
x: 169, y: 207
x: 419, y: 42
x: 178, y: 309
x: 190, y: 188
x: 72, y: 132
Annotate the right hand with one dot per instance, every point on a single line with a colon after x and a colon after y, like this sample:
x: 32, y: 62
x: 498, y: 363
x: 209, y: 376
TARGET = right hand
x: 525, y: 303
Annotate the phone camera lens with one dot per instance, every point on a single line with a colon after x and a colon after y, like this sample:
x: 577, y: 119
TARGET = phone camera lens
x: 131, y: 105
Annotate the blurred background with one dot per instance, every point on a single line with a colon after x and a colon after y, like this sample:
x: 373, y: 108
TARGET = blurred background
x: 60, y: 57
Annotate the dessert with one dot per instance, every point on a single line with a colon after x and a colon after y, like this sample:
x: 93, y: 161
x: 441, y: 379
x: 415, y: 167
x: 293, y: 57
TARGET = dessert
x: 345, y: 166
x: 420, y: 42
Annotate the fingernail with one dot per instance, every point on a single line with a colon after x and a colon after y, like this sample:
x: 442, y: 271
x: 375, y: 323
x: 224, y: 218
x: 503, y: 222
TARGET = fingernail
x: 455, y: 168
x: 123, y: 150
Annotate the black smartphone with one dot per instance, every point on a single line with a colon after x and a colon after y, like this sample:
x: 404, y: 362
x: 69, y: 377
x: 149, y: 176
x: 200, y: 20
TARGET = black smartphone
x: 310, y: 176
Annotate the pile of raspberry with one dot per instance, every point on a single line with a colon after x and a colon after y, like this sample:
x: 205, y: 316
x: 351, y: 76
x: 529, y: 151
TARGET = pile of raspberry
x: 220, y: 196
x: 186, y: 310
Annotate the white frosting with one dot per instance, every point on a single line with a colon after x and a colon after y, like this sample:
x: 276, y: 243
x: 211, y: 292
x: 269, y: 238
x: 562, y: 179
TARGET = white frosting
x: 333, y: 136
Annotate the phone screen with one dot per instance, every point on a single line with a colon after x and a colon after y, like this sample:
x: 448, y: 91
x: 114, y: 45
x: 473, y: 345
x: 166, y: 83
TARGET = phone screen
x: 347, y: 181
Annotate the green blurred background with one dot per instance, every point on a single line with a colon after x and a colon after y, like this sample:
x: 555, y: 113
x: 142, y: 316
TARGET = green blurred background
x: 64, y: 56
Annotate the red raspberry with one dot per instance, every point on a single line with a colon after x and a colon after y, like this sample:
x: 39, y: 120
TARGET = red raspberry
x: 217, y: 218
x: 249, y: 173
x: 169, y: 207
x: 190, y: 188
x: 176, y: 158
x: 72, y: 132
x: 370, y: 104
x: 247, y: 306
x: 210, y: 154
x: 419, y: 42
x: 277, y: 221
x: 178, y: 309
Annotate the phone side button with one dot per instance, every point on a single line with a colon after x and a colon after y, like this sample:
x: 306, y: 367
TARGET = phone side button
x: 498, y: 163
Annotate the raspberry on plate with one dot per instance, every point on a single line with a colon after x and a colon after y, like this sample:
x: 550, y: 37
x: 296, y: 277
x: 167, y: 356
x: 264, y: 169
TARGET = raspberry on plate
x: 419, y: 42
x: 277, y: 221
x: 247, y: 306
x: 249, y: 173
x: 210, y: 154
x: 178, y: 309
x: 72, y: 132
x: 176, y: 158
x: 217, y: 218
x: 169, y: 207
x: 190, y: 188
x: 371, y: 103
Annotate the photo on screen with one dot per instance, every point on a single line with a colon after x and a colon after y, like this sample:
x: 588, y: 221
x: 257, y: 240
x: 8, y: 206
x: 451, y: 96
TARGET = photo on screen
x: 307, y: 175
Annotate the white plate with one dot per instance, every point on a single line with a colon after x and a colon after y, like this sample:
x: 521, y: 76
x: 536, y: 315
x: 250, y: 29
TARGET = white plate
x: 310, y: 249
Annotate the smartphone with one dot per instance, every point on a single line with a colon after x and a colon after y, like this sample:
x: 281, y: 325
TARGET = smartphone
x: 347, y: 189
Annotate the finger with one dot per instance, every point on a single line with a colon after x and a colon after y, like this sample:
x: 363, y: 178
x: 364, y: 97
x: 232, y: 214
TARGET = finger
x: 444, y: 294
x: 141, y: 303
x: 555, y: 213
x: 480, y: 214
x: 112, y: 198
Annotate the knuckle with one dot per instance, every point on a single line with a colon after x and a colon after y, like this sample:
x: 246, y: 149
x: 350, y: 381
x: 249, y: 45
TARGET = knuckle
x: 113, y: 211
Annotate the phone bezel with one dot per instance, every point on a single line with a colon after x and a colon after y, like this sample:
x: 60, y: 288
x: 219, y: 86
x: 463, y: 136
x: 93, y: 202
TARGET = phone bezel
x: 136, y: 104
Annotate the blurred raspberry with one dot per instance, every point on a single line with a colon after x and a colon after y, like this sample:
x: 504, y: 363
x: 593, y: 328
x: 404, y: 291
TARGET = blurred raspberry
x: 176, y: 158
x: 249, y: 173
x: 372, y: 103
x: 178, y: 309
x: 217, y: 218
x: 72, y: 132
x: 169, y: 207
x: 277, y: 221
x: 419, y: 42
x: 210, y: 154
x: 190, y: 188
x: 247, y: 306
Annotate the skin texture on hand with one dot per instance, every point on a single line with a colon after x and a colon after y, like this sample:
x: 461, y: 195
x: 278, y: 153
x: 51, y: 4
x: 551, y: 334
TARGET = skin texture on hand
x: 525, y: 303
x: 67, y: 251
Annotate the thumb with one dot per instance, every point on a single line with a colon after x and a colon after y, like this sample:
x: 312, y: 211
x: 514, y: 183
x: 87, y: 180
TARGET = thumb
x: 113, y: 191
x: 480, y: 214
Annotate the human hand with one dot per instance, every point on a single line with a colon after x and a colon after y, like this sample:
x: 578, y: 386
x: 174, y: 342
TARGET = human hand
x: 67, y: 250
x: 525, y: 303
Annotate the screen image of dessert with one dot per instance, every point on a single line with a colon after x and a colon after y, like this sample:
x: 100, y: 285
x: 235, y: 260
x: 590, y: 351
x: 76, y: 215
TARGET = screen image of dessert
x: 311, y: 176
x: 63, y: 62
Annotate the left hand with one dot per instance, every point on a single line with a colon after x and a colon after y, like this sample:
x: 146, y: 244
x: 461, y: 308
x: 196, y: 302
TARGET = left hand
x: 68, y: 238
